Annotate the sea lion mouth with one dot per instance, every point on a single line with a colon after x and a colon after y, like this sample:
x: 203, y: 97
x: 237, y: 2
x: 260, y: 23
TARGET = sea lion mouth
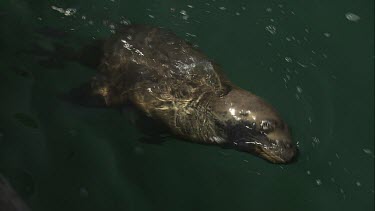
x: 271, y: 157
x: 281, y: 154
x: 273, y: 151
x: 288, y: 157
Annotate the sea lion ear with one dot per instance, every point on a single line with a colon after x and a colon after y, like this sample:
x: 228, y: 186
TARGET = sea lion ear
x: 224, y: 90
x: 95, y: 93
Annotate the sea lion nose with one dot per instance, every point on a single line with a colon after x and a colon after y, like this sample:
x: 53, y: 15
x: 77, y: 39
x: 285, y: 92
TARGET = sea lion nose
x: 290, y: 153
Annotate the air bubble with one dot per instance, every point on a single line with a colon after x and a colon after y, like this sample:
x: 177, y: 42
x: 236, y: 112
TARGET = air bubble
x: 271, y: 29
x: 83, y: 192
x: 326, y: 34
x: 352, y: 17
x: 367, y: 151
x: 288, y: 59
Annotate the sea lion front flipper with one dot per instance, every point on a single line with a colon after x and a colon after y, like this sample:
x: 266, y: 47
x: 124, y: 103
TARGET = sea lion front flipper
x: 84, y: 95
x: 94, y: 93
x: 98, y: 92
x: 154, y: 132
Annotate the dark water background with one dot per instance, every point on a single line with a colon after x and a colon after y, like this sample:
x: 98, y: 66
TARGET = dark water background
x: 313, y: 60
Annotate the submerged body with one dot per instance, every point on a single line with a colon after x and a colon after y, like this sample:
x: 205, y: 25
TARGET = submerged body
x: 175, y: 84
x: 9, y: 199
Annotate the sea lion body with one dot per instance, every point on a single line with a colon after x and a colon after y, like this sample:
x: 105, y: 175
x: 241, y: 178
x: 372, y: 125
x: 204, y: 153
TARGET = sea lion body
x: 164, y: 77
x: 177, y: 85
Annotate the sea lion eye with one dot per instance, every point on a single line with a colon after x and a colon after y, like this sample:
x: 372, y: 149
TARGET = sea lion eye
x: 267, y: 126
x: 250, y: 125
x: 244, y: 113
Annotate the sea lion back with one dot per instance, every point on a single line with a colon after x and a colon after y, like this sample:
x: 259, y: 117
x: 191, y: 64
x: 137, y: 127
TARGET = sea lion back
x: 146, y: 58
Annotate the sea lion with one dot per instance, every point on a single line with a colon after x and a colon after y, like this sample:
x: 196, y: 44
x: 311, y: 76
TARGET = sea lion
x: 175, y: 84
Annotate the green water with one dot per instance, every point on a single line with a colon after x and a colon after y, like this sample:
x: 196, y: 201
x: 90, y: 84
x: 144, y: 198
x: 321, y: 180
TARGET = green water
x: 306, y: 58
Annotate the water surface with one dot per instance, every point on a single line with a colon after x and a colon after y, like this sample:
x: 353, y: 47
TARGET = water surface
x: 312, y: 60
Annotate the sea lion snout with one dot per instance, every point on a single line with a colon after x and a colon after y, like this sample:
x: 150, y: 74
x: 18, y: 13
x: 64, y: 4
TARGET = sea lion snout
x: 277, y: 150
x: 281, y: 151
x: 250, y: 124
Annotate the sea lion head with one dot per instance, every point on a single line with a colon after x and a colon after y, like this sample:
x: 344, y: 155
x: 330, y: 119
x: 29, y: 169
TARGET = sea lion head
x: 247, y: 123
